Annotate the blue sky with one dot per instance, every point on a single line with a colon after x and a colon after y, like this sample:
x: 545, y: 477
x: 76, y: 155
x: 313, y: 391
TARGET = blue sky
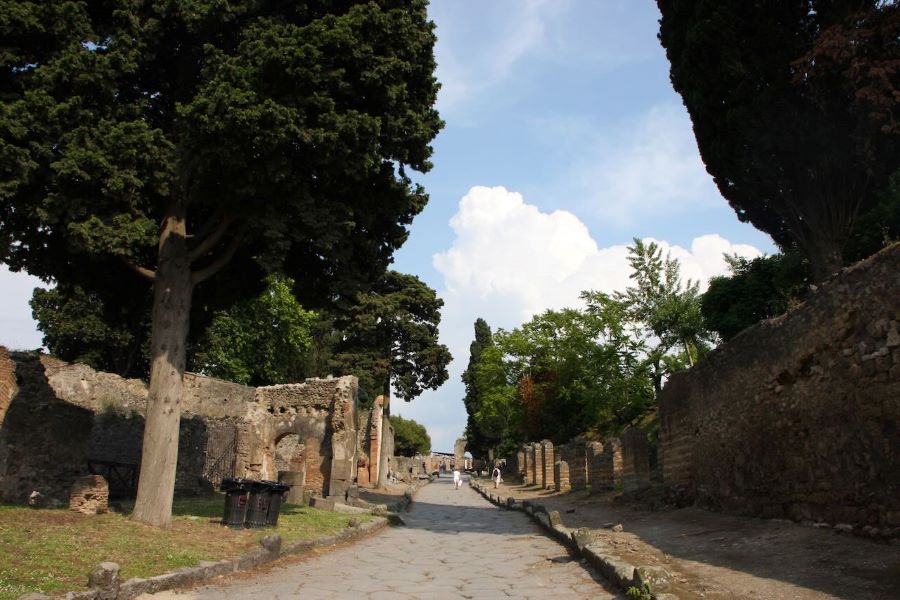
x: 563, y: 141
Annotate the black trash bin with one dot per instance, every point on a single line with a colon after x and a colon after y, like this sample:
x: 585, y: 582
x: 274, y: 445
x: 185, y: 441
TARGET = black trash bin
x: 236, y: 500
x: 277, y: 490
x: 258, y: 504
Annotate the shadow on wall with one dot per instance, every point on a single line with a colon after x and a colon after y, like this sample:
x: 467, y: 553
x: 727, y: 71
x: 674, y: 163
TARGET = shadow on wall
x: 47, y: 443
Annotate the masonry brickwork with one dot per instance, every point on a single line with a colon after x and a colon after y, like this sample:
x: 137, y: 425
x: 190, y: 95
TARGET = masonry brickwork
x: 548, y: 458
x: 57, y: 416
x: 574, y: 453
x: 561, y: 476
x: 799, y: 416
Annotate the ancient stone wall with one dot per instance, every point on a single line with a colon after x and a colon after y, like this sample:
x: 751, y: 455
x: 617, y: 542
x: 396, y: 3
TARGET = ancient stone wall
x: 798, y: 416
x: 575, y: 455
x: 635, y: 460
x: 61, y: 416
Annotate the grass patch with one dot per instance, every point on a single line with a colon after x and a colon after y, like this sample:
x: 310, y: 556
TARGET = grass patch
x: 54, y: 550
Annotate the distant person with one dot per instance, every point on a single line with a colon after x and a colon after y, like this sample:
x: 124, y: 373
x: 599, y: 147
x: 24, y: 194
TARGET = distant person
x: 457, y: 479
x: 495, y: 475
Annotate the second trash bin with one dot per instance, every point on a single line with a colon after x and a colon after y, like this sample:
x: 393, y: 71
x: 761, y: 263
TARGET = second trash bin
x: 258, y: 504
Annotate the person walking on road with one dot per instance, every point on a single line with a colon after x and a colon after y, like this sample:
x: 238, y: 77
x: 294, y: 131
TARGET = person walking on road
x: 457, y: 480
x: 495, y: 475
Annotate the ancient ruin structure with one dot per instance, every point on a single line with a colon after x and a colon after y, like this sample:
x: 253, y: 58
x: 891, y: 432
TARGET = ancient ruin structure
x: 797, y: 417
x: 60, y: 421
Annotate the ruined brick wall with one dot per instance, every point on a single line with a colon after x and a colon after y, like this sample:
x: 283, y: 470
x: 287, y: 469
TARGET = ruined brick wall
x: 799, y: 416
x: 61, y: 415
x: 322, y: 414
x: 635, y: 460
x: 575, y: 455
x: 604, y: 464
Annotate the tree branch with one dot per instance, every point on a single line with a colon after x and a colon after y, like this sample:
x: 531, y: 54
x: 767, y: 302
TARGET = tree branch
x: 211, y: 240
x: 217, y: 265
x: 144, y: 272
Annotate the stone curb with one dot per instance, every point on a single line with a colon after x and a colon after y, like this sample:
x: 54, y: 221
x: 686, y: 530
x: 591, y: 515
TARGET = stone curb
x: 579, y: 541
x: 105, y: 583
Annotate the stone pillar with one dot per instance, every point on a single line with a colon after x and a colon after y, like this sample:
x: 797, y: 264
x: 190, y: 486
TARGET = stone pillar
x: 547, y: 460
x: 535, y: 463
x: 375, y: 431
x: 520, y: 464
x: 528, y: 462
x: 459, y: 453
x: 635, y: 460
x: 561, y: 476
x: 575, y: 455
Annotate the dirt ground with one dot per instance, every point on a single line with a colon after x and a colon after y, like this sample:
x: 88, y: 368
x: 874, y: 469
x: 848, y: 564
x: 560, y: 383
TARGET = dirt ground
x: 710, y: 555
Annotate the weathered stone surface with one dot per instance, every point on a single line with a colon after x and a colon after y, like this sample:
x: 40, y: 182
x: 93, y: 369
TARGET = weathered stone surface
x: 56, y: 416
x: 797, y: 416
x: 90, y: 496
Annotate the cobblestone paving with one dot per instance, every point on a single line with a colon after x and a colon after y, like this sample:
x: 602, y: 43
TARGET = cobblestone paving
x: 455, y: 545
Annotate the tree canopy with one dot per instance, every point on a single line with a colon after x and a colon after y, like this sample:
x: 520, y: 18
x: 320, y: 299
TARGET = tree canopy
x: 389, y: 337
x: 410, y: 437
x: 794, y: 106
x: 181, y: 139
x: 589, y: 370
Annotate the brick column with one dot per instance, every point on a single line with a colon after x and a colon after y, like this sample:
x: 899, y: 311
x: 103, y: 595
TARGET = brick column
x: 547, y: 460
x: 528, y: 459
x: 535, y: 453
x: 561, y: 476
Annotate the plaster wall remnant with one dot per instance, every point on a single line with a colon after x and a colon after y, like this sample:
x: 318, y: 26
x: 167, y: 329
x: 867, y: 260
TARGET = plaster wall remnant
x: 798, y: 416
x: 56, y: 416
x: 574, y: 453
x: 459, y: 453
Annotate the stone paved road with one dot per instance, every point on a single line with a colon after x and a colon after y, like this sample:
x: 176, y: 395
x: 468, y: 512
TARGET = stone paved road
x: 456, y: 545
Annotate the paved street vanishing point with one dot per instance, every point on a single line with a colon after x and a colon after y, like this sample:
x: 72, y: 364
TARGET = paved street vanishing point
x: 455, y: 545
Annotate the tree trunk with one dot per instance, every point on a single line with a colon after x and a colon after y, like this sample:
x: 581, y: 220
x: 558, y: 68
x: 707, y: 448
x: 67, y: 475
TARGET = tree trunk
x: 825, y: 257
x: 172, y: 292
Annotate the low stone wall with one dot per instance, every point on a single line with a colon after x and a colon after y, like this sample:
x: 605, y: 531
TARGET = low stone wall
x: 798, y: 416
x: 574, y: 454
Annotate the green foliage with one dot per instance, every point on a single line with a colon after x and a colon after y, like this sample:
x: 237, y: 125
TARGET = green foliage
x: 109, y: 333
x: 476, y: 442
x: 262, y: 341
x: 389, y: 335
x: 794, y: 109
x: 194, y: 138
x: 757, y: 289
x: 598, y: 369
x: 645, y: 592
x: 410, y: 438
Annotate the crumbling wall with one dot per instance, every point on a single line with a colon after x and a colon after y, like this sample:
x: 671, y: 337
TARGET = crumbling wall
x: 55, y: 417
x: 798, y: 416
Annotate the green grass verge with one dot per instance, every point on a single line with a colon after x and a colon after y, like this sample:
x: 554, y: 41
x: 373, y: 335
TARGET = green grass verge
x: 51, y: 551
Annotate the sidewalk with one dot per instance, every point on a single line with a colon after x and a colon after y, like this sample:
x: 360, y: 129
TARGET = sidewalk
x: 710, y: 555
